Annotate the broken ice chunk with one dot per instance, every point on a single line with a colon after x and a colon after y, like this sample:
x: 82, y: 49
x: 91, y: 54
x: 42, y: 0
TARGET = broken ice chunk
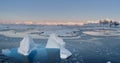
x: 26, y: 45
x: 56, y: 42
x: 64, y: 53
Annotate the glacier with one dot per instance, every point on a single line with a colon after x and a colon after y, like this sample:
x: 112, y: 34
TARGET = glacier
x: 56, y: 42
x: 26, y: 46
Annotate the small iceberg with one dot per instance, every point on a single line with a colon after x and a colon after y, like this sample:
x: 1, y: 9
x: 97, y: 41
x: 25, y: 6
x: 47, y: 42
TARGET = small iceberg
x: 53, y: 52
x: 26, y: 46
x: 28, y: 51
x: 55, y: 42
x: 64, y: 53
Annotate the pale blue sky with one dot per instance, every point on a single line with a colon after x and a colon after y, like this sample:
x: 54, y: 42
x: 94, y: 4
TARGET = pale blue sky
x: 59, y: 10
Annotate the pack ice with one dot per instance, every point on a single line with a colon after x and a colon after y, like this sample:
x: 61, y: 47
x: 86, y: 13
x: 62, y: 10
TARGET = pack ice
x: 55, y: 42
x: 26, y: 46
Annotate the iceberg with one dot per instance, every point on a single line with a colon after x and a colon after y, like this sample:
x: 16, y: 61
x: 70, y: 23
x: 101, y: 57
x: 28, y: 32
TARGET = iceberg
x: 55, y: 42
x: 64, y: 53
x: 26, y: 46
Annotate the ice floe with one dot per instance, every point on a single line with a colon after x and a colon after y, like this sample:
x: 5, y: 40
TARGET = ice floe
x: 102, y: 33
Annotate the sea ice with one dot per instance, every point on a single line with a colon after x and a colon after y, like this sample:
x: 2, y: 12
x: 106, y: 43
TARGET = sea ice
x: 64, y: 53
x: 6, y: 51
x: 26, y: 46
x: 56, y: 42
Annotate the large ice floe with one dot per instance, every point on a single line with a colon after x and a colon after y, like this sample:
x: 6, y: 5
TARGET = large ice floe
x: 103, y: 33
x: 26, y: 46
x: 55, y: 42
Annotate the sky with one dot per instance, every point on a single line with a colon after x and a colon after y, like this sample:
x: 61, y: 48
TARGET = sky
x: 59, y: 10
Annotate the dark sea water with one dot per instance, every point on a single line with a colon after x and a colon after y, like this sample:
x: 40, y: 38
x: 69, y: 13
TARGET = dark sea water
x: 87, y: 49
x: 41, y: 55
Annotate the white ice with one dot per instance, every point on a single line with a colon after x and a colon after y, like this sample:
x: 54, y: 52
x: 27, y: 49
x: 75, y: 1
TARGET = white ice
x: 56, y: 42
x: 64, y: 53
x: 102, y: 33
x: 26, y: 46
